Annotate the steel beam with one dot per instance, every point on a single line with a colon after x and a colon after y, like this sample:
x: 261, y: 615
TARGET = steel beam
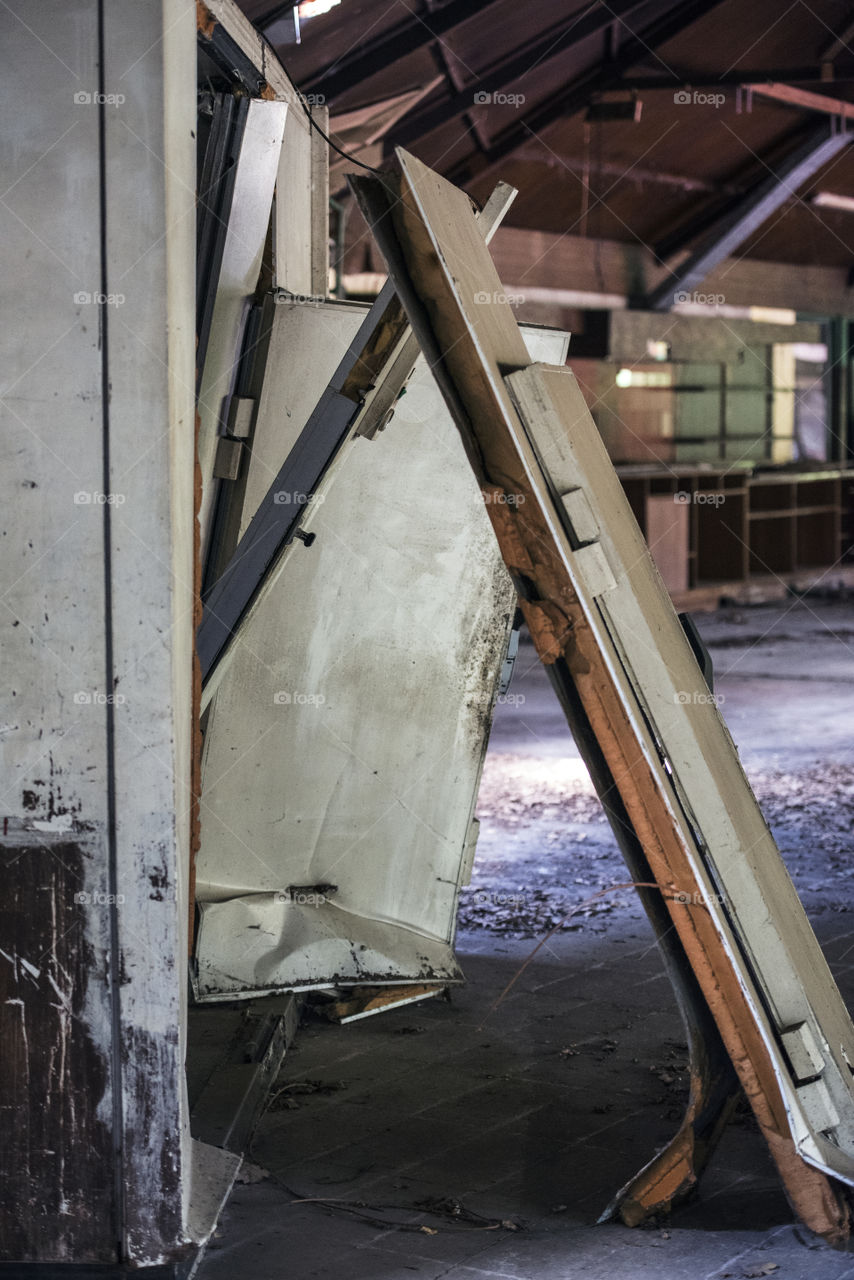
x: 749, y: 214
x: 729, y: 198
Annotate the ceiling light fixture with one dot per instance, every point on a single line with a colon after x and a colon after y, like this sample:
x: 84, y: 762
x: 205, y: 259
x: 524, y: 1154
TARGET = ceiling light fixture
x: 314, y: 8
x: 828, y: 200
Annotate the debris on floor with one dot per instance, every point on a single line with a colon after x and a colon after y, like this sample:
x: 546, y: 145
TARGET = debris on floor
x: 361, y: 1002
x: 545, y: 846
x: 286, y: 1097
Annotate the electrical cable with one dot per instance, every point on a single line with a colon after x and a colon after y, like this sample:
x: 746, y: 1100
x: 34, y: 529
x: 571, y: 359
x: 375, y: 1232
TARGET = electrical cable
x: 311, y: 120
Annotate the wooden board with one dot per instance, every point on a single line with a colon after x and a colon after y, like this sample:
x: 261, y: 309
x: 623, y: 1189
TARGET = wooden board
x: 293, y: 222
x: 600, y: 605
x: 667, y: 537
x: 249, y: 219
x: 365, y: 1002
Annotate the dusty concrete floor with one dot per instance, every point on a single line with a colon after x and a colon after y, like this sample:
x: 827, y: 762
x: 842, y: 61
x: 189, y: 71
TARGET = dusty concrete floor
x: 461, y: 1140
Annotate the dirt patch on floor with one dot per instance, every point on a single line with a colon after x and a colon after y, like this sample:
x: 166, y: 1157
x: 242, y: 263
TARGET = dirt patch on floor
x: 547, y: 858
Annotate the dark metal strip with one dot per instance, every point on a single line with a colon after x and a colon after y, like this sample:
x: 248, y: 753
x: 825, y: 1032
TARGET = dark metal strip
x: 275, y: 523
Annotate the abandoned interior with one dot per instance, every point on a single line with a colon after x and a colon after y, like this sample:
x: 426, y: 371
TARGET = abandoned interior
x: 428, y: 527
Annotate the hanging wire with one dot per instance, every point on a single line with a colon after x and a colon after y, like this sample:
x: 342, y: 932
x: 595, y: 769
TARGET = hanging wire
x: 334, y: 145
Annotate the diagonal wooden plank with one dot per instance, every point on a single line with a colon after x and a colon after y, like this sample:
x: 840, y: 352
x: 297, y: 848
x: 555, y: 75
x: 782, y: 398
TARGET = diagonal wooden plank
x: 598, y: 604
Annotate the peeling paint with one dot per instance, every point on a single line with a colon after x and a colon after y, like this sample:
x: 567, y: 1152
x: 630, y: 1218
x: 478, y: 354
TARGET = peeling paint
x: 55, y: 1010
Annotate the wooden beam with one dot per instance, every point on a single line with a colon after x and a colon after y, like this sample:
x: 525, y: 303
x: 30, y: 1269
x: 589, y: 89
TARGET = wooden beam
x: 683, y: 78
x: 837, y: 43
x: 388, y: 48
x: 728, y: 197
x: 523, y: 63
x: 374, y: 120
x: 222, y: 20
x: 536, y: 152
x: 577, y: 94
x: 792, y: 97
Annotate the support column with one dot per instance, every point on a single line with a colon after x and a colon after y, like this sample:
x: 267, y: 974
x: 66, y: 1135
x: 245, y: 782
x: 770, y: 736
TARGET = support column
x: 98, y: 425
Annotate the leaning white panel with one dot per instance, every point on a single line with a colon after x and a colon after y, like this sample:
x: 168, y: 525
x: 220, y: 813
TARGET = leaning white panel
x: 317, y: 943
x: 747, y: 889
x: 346, y: 739
x: 248, y: 223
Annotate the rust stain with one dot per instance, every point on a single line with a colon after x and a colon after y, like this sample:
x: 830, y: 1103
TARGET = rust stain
x: 670, y: 1176
x: 205, y: 21
x: 513, y: 549
x: 812, y: 1194
x: 549, y: 628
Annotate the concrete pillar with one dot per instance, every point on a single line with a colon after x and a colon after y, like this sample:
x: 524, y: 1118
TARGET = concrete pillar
x: 98, y: 165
